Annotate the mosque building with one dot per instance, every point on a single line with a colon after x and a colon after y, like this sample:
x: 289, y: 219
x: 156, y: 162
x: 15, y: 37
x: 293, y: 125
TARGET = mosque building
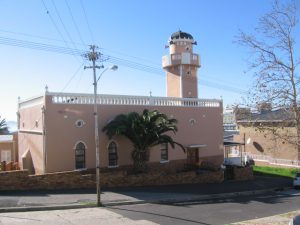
x: 56, y: 130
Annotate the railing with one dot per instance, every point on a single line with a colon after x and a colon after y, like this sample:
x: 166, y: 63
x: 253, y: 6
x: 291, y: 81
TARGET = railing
x: 274, y: 161
x: 66, y: 98
x: 180, y: 58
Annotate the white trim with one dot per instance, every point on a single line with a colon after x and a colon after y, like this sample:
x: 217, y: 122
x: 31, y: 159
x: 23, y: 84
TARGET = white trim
x: 111, y: 167
x: 180, y: 85
x: 181, y: 39
x: 25, y: 153
x: 110, y: 141
x: 79, y: 99
x: 31, y: 131
x: 38, y: 100
x: 7, y: 141
x: 116, y: 143
x: 80, y: 120
x: 7, y: 154
x: 6, y: 138
x: 164, y: 161
x: 260, y: 121
x: 164, y: 146
x: 197, y: 146
x: 85, y: 145
x: 81, y: 169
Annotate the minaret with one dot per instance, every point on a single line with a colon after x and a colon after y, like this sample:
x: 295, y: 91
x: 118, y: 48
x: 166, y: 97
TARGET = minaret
x: 181, y: 66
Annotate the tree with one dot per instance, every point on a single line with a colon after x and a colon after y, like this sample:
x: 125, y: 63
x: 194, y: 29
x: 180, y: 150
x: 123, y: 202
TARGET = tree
x: 273, y: 62
x: 144, y: 131
x: 3, y: 126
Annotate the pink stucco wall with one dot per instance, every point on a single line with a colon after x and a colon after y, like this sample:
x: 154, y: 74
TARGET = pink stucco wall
x: 30, y: 137
x: 62, y: 133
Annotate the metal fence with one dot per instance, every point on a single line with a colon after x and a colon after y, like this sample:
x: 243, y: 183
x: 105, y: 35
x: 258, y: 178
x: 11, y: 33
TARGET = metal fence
x: 274, y: 161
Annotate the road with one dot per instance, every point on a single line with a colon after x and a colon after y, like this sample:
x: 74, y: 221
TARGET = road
x: 206, y: 213
x: 214, y: 212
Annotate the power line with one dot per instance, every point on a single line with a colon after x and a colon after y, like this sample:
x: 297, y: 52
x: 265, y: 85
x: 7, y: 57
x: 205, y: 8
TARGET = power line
x: 40, y: 46
x: 87, y: 22
x: 134, y: 65
x: 74, y: 22
x: 72, y: 77
x: 134, y: 57
x: 79, y: 80
x: 62, y: 23
x: 34, y: 36
x: 53, y: 22
x: 81, y: 44
x: 215, y: 85
x: 117, y: 60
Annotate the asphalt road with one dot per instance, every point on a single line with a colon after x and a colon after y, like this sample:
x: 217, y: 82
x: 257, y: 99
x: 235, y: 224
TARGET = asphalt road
x: 214, y: 212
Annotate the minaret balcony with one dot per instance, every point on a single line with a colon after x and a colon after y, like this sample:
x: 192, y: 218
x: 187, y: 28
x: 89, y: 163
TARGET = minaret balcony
x: 184, y: 58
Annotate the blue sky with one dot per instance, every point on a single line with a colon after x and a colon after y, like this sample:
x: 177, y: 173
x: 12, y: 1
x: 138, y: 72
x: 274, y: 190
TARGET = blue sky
x: 132, y: 30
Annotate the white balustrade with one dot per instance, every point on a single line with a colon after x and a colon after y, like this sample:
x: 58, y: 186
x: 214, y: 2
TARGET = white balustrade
x: 67, y: 98
x: 274, y: 161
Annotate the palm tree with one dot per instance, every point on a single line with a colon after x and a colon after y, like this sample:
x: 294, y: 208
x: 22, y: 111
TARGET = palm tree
x: 3, y: 126
x: 144, y: 131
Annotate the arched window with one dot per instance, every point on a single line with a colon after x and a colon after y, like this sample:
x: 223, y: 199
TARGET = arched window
x: 80, y: 156
x: 164, y: 152
x: 112, y: 154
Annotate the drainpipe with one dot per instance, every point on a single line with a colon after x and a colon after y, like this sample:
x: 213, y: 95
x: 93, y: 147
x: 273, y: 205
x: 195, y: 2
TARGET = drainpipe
x: 16, y: 144
x: 44, y: 139
x: 44, y: 131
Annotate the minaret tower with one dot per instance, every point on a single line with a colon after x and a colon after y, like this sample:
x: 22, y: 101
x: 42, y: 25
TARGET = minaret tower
x: 181, y: 66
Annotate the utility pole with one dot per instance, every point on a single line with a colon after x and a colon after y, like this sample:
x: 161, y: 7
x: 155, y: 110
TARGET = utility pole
x: 93, y: 56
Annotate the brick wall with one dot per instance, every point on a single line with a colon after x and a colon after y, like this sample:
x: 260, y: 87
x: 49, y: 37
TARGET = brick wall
x: 266, y: 143
x: 21, y: 180
x: 9, y: 166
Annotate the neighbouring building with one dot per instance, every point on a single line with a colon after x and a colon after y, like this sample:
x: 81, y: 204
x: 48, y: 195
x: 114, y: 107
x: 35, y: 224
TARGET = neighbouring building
x: 229, y: 124
x: 259, y: 136
x: 9, y: 148
x: 56, y: 130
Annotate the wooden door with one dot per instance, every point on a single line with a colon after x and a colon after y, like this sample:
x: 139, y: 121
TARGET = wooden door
x: 193, y: 156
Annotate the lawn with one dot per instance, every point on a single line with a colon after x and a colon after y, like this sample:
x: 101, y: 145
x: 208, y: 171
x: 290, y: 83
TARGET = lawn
x: 275, y: 171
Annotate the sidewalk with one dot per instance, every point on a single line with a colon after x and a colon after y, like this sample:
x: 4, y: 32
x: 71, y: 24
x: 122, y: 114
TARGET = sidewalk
x: 282, y: 219
x: 40, y: 200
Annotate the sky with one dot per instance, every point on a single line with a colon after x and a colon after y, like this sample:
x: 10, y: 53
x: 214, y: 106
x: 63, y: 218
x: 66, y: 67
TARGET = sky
x: 131, y: 34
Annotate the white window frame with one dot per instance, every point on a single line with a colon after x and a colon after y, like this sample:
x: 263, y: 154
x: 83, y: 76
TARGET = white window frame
x: 85, y: 150
x: 4, y: 155
x: 79, y: 121
x: 164, y: 146
x: 117, y: 146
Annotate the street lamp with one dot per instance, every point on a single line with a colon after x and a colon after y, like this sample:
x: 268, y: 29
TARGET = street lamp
x: 114, y: 67
x: 93, y: 56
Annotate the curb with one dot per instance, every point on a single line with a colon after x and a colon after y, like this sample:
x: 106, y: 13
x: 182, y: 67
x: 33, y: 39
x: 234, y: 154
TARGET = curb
x: 200, y: 198
x: 45, y: 208
x: 136, y: 202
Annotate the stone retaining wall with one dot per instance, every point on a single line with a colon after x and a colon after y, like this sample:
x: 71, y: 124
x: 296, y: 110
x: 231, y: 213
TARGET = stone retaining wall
x: 21, y: 180
x: 243, y: 173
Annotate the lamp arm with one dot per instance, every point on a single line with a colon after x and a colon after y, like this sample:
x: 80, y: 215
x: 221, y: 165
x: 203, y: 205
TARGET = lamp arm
x: 101, y: 74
